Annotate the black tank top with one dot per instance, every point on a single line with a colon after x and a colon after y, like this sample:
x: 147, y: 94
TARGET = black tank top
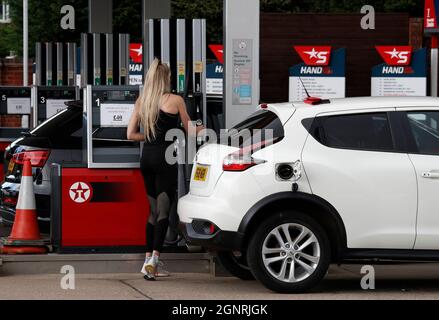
x: 166, y: 121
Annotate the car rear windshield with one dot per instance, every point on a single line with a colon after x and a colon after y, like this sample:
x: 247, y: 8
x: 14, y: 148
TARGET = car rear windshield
x: 262, y: 126
x: 64, y: 123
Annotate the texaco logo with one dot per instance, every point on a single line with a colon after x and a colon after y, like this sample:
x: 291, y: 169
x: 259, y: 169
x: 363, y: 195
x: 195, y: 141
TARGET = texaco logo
x: 80, y: 192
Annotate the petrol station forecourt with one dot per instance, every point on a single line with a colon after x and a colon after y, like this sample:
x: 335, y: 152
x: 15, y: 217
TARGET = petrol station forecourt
x: 309, y: 169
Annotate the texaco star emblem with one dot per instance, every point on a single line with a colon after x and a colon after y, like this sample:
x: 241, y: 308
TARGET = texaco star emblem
x: 80, y: 192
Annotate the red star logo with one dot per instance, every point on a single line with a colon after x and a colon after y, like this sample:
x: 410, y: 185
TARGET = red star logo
x: 80, y: 192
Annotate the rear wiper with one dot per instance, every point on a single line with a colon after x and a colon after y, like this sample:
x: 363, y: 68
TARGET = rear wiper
x: 27, y: 134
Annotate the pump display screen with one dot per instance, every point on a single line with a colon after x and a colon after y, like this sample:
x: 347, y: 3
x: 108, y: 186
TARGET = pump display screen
x: 111, y: 110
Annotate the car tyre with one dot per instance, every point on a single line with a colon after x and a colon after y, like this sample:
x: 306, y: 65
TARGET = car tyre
x: 235, y: 264
x: 293, y: 266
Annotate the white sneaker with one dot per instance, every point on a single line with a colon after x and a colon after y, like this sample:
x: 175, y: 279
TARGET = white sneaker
x: 151, y: 265
x: 143, y: 270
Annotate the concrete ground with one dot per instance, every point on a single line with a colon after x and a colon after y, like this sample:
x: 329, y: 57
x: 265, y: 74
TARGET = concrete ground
x: 396, y: 281
x: 408, y: 281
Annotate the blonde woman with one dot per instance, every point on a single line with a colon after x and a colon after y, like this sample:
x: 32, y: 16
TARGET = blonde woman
x: 157, y: 111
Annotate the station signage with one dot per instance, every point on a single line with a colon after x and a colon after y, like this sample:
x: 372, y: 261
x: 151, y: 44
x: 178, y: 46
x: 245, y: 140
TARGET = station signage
x: 53, y: 106
x: 115, y: 114
x: 322, y: 73
x: 402, y: 73
x: 136, y: 64
x: 18, y: 106
x: 214, y: 71
x: 242, y: 70
x: 431, y: 8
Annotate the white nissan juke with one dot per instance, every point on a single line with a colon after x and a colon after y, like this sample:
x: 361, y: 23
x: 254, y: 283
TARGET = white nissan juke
x: 298, y: 186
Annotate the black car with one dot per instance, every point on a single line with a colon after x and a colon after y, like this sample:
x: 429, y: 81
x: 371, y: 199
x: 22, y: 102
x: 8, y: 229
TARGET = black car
x: 57, y: 140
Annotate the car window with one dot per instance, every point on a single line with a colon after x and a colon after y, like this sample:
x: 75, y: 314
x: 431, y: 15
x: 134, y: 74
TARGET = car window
x: 366, y: 131
x: 261, y: 125
x: 64, y: 130
x: 424, y: 126
x: 63, y: 124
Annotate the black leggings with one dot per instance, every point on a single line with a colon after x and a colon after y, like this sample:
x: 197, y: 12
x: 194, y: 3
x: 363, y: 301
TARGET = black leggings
x: 161, y: 183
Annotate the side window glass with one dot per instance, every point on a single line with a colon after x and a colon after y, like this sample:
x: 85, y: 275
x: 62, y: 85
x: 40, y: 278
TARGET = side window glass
x: 366, y: 131
x: 424, y: 126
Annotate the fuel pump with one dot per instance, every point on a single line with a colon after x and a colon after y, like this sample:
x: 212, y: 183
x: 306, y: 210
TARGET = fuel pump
x: 181, y: 44
x: 100, y: 205
x: 49, y: 100
x: 55, y: 64
x: 98, y: 63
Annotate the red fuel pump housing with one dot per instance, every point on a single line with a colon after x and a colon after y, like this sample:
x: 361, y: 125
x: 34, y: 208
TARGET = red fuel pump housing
x: 103, y: 208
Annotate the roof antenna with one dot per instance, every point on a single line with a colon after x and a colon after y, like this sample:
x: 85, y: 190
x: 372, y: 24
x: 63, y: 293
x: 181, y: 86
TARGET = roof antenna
x: 312, y: 100
x: 303, y: 85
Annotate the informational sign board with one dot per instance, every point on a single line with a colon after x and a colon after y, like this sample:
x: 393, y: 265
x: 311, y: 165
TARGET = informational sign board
x: 54, y: 106
x: 322, y: 73
x: 214, y: 79
x: 136, y: 65
x: 404, y: 73
x: 116, y: 114
x: 18, y: 105
x: 431, y: 8
x: 49, y: 100
x: 15, y: 100
x: 214, y: 72
x: 242, y: 61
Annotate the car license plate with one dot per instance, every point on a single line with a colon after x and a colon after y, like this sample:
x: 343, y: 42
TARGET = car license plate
x: 201, y: 173
x: 11, y: 166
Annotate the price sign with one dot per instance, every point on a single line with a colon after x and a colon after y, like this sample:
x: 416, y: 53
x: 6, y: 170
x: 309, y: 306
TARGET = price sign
x: 115, y: 114
x: 53, y: 106
x: 18, y: 105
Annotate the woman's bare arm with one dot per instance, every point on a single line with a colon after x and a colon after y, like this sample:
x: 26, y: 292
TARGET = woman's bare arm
x: 184, y: 116
x: 133, y: 130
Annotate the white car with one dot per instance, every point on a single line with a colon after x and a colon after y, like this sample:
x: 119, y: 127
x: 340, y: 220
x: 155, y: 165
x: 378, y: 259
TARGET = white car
x: 337, y: 180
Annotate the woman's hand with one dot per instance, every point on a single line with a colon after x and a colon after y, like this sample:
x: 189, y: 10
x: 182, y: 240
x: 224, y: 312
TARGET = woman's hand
x: 133, y: 129
x: 189, y: 127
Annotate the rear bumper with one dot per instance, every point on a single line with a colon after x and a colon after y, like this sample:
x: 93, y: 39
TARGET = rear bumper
x: 221, y: 240
x: 219, y: 210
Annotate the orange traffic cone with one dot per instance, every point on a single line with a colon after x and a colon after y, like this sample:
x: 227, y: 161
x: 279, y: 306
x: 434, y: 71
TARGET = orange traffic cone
x: 25, y: 234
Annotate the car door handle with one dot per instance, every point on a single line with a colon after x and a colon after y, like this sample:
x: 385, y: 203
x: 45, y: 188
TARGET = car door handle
x: 430, y: 174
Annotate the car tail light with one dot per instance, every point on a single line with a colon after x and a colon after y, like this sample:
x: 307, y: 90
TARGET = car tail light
x: 37, y: 158
x: 242, y: 159
x: 237, y: 162
x: 12, y: 201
